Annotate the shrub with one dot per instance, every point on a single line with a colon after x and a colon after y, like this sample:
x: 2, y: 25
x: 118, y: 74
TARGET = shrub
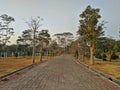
x: 104, y: 56
x: 114, y: 56
x: 16, y: 54
x: 98, y: 54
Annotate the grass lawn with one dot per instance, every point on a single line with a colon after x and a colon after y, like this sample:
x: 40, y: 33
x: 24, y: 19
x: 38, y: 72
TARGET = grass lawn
x: 110, y: 68
x: 11, y: 64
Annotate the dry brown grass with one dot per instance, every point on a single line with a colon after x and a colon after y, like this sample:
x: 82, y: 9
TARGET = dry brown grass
x: 110, y: 68
x: 11, y: 64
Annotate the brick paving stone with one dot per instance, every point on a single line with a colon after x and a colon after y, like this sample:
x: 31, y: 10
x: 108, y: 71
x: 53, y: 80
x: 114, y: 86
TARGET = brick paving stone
x: 61, y: 73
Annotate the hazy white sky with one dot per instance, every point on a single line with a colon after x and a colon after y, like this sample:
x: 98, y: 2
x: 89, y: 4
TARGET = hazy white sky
x: 60, y: 15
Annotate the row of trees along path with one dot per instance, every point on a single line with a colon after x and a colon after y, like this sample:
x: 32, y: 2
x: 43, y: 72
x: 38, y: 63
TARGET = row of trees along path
x: 90, y: 30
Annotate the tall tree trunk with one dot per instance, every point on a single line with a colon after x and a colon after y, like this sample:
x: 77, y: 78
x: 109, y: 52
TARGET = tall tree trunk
x: 41, y: 48
x: 47, y: 54
x: 110, y: 56
x: 41, y: 54
x: 92, y: 54
x: 83, y: 54
x: 33, y: 54
x: 82, y: 57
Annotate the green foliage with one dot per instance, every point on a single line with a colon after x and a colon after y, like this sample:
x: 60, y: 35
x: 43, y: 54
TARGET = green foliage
x: 98, y: 53
x: 108, y: 46
x: 118, y: 44
x: 25, y: 38
x: 64, y: 39
x: 102, y: 44
x: 89, y: 27
x: 114, y: 56
x: 115, y: 48
x: 104, y: 56
x: 43, y: 36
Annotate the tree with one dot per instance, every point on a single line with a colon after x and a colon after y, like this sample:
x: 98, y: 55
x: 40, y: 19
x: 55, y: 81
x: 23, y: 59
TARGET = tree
x: 106, y: 46
x: 5, y: 30
x: 54, y: 48
x: 64, y: 39
x: 90, y: 29
x: 11, y: 49
x: 43, y: 39
x: 101, y: 48
x: 34, y: 24
x: 26, y: 40
x: 110, y: 43
x: 82, y: 47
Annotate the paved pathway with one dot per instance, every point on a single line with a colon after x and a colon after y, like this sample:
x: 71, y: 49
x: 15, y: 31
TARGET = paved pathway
x: 62, y: 73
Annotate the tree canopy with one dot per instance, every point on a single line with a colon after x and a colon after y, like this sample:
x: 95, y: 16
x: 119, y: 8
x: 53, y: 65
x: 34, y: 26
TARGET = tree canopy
x: 5, y: 30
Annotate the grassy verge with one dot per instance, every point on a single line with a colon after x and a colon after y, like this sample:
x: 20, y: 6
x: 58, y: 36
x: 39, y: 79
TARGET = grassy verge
x: 11, y: 64
x: 110, y: 68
